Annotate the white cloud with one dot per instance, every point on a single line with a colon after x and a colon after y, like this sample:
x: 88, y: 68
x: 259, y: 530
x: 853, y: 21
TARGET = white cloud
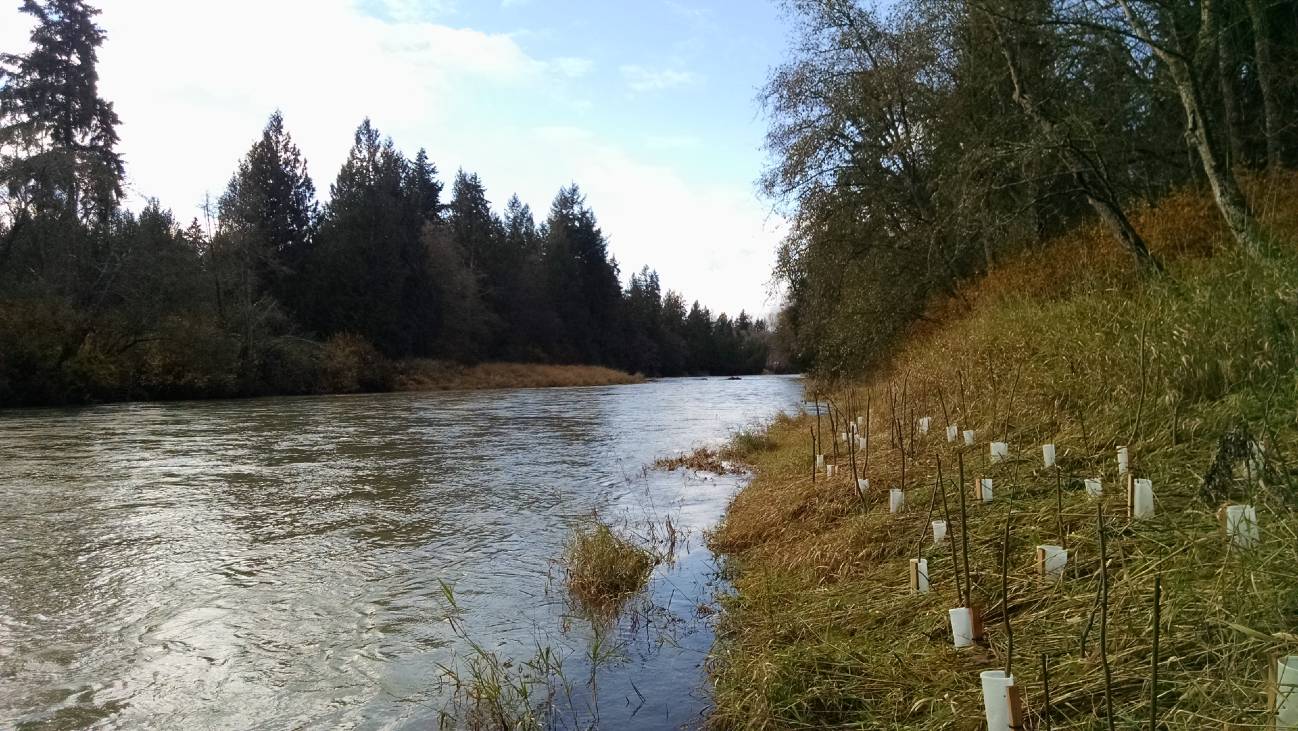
x: 713, y: 243
x: 641, y: 79
x: 194, y: 82
x: 572, y: 66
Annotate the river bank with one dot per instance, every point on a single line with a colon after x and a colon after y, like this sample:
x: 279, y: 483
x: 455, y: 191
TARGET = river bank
x: 1193, y: 373
x: 446, y: 376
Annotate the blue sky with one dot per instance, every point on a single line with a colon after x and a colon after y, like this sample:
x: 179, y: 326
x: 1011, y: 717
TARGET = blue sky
x: 649, y: 106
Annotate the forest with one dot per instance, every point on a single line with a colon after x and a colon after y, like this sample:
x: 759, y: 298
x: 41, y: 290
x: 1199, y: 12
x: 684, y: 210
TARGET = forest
x: 916, y: 144
x: 279, y: 292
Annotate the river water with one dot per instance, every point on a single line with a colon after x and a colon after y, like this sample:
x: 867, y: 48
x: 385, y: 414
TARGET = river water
x: 285, y: 563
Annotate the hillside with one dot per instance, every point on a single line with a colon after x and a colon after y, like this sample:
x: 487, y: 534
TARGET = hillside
x: 1069, y: 345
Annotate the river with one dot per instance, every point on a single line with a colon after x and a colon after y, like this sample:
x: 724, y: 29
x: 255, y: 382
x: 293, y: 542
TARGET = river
x: 284, y: 563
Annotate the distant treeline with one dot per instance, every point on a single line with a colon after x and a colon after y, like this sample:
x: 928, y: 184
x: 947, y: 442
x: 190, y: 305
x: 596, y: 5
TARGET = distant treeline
x: 917, y: 142
x: 276, y: 293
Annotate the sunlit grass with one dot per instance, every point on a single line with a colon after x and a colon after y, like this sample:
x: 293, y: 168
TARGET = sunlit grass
x: 1085, y: 353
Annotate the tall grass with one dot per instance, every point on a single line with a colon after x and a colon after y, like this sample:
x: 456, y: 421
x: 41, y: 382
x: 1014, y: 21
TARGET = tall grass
x: 602, y: 569
x: 1088, y: 356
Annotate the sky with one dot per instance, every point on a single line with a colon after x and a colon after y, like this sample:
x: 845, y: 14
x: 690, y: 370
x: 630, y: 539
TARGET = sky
x: 650, y: 106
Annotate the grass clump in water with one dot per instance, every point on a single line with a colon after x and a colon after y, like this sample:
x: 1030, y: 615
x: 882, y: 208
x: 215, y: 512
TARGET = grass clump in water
x: 602, y: 568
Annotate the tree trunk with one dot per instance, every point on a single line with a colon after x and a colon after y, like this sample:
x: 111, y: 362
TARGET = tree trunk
x: 1266, y: 81
x: 1090, y: 177
x: 1227, y: 81
x: 1230, y: 200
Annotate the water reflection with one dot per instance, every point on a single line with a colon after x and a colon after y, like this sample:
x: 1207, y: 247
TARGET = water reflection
x: 279, y: 562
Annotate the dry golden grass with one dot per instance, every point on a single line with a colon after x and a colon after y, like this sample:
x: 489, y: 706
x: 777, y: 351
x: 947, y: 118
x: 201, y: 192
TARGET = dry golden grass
x: 602, y: 569
x: 1087, y: 355
x: 429, y: 375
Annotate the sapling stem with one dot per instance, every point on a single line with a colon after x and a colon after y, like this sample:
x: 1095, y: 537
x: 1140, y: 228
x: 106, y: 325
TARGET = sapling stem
x: 1104, y: 619
x: 1059, y: 507
x: 946, y: 513
x: 813, y: 454
x: 923, y: 529
x: 1045, y: 682
x: 964, y: 536
x: 1153, y: 665
x: 1005, y: 589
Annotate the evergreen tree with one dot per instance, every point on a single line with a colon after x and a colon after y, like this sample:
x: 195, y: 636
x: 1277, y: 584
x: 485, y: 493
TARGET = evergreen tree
x: 269, y: 208
x: 531, y: 323
x: 425, y: 188
x: 370, y: 268
x: 57, y: 135
x: 479, y: 237
x: 583, y: 280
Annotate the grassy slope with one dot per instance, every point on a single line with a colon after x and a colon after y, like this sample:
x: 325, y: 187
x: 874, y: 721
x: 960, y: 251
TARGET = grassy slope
x: 1071, y: 348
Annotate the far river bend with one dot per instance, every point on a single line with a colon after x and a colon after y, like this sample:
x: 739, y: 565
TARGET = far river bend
x: 279, y: 563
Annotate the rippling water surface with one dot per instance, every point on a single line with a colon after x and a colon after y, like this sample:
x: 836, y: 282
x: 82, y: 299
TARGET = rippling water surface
x: 278, y: 563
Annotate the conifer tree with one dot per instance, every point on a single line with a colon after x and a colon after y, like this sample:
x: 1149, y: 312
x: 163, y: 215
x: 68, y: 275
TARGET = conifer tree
x: 57, y: 135
x: 269, y: 208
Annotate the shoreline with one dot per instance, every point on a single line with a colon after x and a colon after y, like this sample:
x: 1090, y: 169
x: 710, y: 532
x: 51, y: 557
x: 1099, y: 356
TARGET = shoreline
x: 419, y: 376
x: 411, y: 377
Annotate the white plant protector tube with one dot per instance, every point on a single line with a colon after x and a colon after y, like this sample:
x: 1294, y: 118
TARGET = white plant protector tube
x: 919, y: 575
x: 1051, y: 560
x: 985, y: 489
x: 968, y: 437
x: 1241, y: 525
x: 1286, y: 695
x: 1048, y: 455
x: 961, y: 626
x: 1141, y: 498
x: 842, y: 437
x: 896, y: 500
x: 939, y: 531
x: 924, y: 424
x: 952, y: 432
x: 860, y: 422
x: 830, y: 470
x: 1000, y: 451
x: 1094, y: 487
x: 863, y: 484
x: 1124, y: 460
x: 860, y: 443
x: 996, y: 699
x: 820, y: 461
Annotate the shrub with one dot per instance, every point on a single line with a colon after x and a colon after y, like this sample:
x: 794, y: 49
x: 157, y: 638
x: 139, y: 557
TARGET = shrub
x: 350, y: 364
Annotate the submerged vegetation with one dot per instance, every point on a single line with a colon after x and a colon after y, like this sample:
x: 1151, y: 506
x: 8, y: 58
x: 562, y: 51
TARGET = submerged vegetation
x: 825, y: 630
